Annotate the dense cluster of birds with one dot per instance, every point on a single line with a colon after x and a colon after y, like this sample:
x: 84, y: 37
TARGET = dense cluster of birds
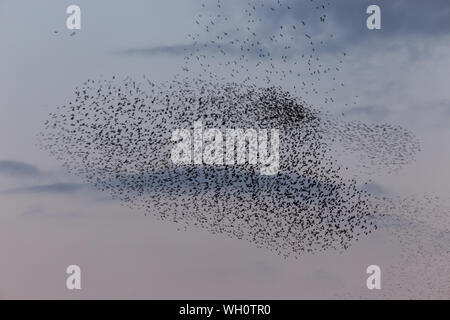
x: 116, y: 134
x: 255, y: 64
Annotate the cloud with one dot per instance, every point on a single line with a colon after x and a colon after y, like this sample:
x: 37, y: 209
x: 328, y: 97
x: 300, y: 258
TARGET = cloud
x: 346, y: 19
x: 16, y: 168
x: 57, y: 188
x: 170, y: 180
x: 176, y: 50
x: 180, y: 49
x: 399, y: 19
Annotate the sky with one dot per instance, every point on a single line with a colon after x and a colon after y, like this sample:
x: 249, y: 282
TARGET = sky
x: 50, y: 219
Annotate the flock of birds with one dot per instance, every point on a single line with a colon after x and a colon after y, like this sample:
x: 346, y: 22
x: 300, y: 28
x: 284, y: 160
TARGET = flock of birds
x: 249, y: 68
x: 116, y: 134
x: 266, y: 43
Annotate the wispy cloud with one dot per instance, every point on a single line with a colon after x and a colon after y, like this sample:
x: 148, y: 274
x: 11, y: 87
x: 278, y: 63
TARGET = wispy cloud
x: 176, y: 50
x: 57, y: 188
x: 16, y: 168
x: 41, y: 180
x: 181, y: 49
x: 347, y: 19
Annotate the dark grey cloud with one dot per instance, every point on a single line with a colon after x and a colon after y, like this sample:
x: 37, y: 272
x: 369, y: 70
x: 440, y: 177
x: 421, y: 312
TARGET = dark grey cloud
x: 399, y: 18
x: 164, y: 180
x: 17, y: 168
x: 178, y: 49
x: 347, y: 19
x: 175, y: 50
x: 56, y: 188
